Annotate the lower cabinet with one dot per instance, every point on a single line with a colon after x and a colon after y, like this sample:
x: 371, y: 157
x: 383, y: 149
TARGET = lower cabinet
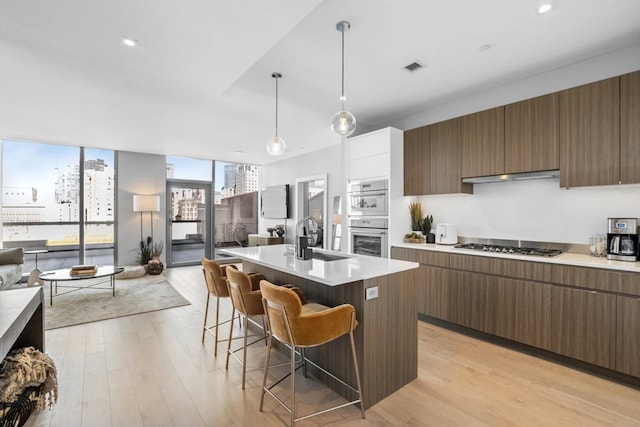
x: 628, y: 336
x: 564, y: 315
x: 520, y: 311
x: 584, y: 325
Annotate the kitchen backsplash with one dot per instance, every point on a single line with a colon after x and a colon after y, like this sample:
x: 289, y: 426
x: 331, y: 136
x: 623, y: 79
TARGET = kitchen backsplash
x: 536, y: 210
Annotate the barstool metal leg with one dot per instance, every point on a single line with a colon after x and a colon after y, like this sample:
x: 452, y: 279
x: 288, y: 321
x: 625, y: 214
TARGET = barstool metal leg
x: 206, y: 314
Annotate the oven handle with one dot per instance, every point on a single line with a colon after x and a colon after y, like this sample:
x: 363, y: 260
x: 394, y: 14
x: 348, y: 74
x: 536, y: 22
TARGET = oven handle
x: 367, y: 230
x: 368, y: 193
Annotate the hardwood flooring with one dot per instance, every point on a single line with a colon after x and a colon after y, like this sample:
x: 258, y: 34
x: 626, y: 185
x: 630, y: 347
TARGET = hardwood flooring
x: 152, y: 370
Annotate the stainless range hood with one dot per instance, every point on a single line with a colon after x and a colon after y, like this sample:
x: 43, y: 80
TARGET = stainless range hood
x: 523, y: 176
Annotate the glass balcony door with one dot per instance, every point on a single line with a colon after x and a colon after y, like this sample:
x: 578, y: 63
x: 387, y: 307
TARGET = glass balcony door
x: 189, y: 205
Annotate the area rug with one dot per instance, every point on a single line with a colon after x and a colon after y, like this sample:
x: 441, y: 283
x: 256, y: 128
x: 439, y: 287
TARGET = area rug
x: 133, y: 296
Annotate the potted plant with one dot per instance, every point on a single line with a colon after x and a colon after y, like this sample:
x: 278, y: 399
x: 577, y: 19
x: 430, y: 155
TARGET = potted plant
x: 415, y: 210
x: 149, y: 255
x: 279, y: 229
x: 427, y: 222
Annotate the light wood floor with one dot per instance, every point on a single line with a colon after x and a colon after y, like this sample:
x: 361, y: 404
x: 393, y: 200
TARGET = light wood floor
x: 152, y: 370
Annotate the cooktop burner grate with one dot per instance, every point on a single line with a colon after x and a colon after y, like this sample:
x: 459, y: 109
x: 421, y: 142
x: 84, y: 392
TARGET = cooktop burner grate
x: 514, y: 250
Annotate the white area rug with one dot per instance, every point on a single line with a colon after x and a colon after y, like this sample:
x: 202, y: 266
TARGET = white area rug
x: 133, y: 296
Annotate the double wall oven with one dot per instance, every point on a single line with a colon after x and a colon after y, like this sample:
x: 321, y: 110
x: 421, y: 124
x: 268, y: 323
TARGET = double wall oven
x: 368, y: 221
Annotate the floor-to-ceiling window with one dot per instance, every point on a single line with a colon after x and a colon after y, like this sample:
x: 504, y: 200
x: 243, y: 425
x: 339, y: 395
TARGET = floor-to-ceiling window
x: 58, y: 201
x: 236, y: 204
x: 204, y: 196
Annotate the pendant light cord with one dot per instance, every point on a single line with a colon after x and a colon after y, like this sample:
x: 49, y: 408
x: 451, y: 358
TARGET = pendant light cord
x: 276, y: 107
x: 342, y: 98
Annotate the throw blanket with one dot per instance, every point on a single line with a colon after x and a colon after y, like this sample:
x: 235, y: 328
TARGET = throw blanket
x: 28, y: 367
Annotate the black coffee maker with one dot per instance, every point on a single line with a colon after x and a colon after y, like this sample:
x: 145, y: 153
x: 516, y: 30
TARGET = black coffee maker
x: 622, y: 239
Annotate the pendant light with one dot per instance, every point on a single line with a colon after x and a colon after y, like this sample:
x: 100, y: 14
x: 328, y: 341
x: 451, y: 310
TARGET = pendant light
x: 276, y: 145
x: 343, y: 122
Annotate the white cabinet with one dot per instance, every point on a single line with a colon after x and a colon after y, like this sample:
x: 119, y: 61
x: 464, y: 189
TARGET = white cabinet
x: 369, y: 154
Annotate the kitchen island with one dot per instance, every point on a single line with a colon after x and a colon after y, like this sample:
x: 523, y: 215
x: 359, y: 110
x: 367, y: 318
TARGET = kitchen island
x: 386, y: 338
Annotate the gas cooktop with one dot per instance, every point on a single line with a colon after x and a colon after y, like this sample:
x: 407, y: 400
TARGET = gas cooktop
x: 515, y: 250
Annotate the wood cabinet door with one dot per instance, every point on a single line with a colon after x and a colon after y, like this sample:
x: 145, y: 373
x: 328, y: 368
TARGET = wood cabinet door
x: 482, y: 142
x: 531, y: 135
x: 416, y: 161
x: 445, y: 161
x: 434, y: 292
x: 468, y: 299
x: 630, y: 128
x: 628, y: 336
x: 584, y: 325
x: 590, y: 134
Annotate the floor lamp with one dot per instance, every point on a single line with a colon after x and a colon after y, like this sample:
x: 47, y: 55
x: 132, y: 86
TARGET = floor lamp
x: 143, y: 204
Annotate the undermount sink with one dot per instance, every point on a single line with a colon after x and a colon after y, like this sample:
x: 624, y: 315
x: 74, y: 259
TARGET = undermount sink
x: 324, y: 256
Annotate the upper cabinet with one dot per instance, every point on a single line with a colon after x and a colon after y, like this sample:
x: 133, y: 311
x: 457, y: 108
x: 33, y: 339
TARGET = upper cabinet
x: 444, y: 154
x: 531, y: 135
x: 482, y: 142
x: 432, y: 160
x: 416, y: 162
x: 630, y: 128
x: 590, y: 134
x: 369, y: 155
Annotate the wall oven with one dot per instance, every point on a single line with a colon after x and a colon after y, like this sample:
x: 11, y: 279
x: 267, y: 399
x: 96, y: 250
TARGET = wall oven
x: 369, y: 198
x: 368, y: 236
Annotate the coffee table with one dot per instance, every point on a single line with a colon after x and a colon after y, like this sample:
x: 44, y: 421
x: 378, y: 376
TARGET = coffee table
x: 64, y: 275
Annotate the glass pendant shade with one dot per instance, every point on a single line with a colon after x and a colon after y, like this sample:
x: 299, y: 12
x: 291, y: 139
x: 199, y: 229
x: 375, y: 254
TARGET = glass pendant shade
x: 276, y: 146
x: 343, y: 123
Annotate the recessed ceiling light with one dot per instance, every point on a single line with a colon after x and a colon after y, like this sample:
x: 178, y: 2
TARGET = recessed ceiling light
x: 238, y: 152
x: 126, y: 41
x: 484, y: 47
x: 544, y: 8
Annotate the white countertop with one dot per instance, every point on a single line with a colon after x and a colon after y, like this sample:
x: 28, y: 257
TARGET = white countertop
x: 332, y: 273
x: 565, y: 258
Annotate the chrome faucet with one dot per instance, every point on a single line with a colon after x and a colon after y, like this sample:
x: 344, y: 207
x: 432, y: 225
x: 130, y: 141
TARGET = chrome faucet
x: 302, y: 242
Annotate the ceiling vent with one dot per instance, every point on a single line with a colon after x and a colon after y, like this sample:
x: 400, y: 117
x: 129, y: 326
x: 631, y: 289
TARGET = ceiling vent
x: 413, y: 66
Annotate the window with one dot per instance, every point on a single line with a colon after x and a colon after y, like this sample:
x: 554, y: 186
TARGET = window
x: 44, y: 203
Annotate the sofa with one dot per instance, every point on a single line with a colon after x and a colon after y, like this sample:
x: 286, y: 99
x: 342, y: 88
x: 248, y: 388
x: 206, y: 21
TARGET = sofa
x: 11, y: 261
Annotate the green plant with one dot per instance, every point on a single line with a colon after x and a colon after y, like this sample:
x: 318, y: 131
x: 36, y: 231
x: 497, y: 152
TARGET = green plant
x: 415, y: 209
x: 426, y: 224
x: 279, y: 229
x: 149, y: 250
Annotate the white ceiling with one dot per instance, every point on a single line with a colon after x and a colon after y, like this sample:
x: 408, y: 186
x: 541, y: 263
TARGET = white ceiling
x: 199, y: 83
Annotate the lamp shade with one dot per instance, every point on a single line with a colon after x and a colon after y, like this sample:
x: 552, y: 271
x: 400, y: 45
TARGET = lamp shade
x: 146, y: 203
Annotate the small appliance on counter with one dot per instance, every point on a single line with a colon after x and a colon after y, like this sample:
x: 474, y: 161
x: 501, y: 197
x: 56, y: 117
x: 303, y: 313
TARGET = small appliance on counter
x: 446, y: 234
x: 622, y: 239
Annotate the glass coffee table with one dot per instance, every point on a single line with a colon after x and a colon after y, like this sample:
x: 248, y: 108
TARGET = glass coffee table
x: 107, y: 272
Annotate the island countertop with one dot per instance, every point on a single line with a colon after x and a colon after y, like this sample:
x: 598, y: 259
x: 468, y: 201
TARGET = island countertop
x: 332, y: 273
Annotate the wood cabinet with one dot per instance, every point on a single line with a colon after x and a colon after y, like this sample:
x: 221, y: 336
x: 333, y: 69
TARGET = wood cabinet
x: 630, y: 128
x: 588, y: 314
x: 417, y: 177
x: 260, y: 240
x: 482, y: 142
x: 531, y: 135
x: 432, y: 162
x: 627, y: 335
x: 584, y: 325
x: 590, y: 134
x: 445, y: 164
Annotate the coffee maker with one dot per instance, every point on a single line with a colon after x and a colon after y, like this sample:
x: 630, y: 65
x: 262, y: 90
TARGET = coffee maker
x: 622, y: 239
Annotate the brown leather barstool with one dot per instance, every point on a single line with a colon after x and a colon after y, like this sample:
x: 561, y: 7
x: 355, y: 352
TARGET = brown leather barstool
x: 215, y: 277
x: 304, y: 326
x: 244, y: 290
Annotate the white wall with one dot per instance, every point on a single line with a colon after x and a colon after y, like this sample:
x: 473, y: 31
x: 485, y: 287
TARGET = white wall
x: 533, y: 210
x: 329, y: 160
x: 139, y: 173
